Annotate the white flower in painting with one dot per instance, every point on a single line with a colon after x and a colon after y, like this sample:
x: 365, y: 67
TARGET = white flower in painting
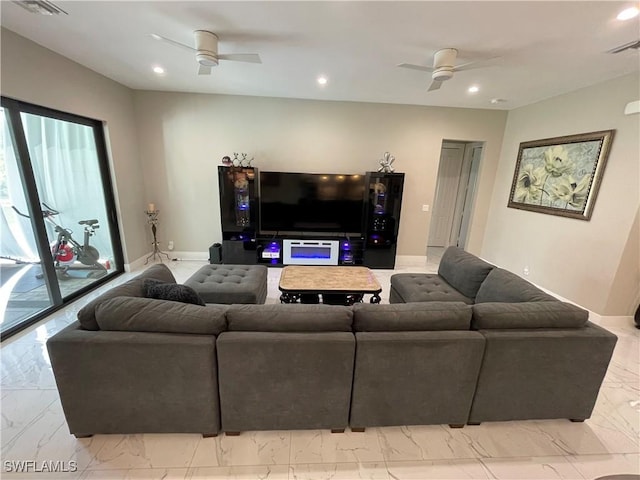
x: 570, y: 192
x: 557, y: 162
x: 529, y: 184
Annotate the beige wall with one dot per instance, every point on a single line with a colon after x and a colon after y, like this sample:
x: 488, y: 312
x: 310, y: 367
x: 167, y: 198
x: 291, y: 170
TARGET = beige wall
x: 594, y: 263
x: 165, y: 147
x: 36, y: 75
x: 183, y: 137
x: 624, y: 297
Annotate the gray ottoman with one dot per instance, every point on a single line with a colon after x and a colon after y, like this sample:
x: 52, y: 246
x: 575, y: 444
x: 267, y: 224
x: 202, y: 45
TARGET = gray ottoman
x: 230, y: 283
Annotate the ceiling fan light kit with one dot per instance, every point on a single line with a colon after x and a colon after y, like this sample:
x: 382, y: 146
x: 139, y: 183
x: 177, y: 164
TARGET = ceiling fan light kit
x: 444, y: 62
x: 206, y: 48
x: 442, y: 74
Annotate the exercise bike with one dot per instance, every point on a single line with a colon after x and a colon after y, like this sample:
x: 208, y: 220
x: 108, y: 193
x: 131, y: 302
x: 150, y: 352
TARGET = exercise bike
x: 67, y: 251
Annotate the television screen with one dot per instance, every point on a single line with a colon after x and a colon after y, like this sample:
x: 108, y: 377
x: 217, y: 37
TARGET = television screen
x: 309, y: 202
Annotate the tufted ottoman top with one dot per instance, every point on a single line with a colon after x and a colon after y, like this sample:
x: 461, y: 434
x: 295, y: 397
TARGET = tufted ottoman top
x: 230, y: 283
x: 422, y: 287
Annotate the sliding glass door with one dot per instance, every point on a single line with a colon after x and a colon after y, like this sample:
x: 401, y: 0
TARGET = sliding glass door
x: 21, y: 280
x: 57, y: 204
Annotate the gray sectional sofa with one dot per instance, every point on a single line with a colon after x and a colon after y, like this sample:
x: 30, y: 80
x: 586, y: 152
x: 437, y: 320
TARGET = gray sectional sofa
x: 542, y: 358
x: 472, y: 344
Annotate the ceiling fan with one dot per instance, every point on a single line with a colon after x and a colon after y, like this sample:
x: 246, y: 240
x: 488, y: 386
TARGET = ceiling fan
x: 444, y: 66
x: 206, y: 50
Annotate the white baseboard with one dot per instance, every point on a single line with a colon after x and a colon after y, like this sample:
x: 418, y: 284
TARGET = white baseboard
x: 602, y: 320
x: 410, y: 260
x: 189, y: 256
x: 136, y: 264
x: 611, y: 320
x: 179, y: 256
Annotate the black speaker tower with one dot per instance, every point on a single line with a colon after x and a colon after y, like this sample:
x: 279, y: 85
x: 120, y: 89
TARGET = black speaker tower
x: 381, y: 219
x: 239, y: 206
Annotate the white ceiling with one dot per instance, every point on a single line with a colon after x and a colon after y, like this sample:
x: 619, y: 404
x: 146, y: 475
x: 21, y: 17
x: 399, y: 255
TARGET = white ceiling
x: 545, y: 48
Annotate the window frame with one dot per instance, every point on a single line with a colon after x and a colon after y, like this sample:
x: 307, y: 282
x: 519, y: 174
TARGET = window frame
x: 13, y: 109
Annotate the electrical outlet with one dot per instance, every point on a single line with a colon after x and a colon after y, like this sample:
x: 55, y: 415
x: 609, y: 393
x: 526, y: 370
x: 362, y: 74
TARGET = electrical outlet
x: 526, y: 270
x: 170, y: 245
x: 425, y: 208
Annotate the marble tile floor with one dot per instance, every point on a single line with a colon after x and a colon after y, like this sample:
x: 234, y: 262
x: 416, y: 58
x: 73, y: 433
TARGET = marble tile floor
x: 33, y: 429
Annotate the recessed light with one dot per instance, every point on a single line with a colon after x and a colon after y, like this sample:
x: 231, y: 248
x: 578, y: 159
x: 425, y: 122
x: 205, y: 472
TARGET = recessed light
x: 495, y: 101
x: 158, y: 70
x: 322, y: 80
x: 473, y: 89
x: 628, y: 13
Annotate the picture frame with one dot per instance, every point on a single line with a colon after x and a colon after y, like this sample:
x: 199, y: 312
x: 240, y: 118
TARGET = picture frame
x: 561, y: 175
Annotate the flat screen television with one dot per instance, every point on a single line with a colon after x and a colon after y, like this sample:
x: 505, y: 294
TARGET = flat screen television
x: 310, y: 202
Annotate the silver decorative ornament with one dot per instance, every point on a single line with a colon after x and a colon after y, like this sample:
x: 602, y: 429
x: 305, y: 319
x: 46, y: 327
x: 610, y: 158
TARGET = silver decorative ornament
x: 386, y: 164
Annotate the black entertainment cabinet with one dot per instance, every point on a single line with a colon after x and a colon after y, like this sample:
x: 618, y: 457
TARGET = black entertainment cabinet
x: 367, y: 203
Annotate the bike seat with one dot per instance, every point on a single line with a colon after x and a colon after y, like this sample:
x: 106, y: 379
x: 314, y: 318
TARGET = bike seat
x: 88, y: 222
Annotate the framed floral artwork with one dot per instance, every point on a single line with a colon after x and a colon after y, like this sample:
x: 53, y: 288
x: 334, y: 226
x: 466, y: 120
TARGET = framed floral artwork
x: 560, y: 176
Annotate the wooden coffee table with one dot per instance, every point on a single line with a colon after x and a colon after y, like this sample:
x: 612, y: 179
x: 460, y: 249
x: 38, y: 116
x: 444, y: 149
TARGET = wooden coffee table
x: 337, y: 285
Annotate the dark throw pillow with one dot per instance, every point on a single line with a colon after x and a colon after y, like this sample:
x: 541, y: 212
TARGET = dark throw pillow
x: 170, y: 291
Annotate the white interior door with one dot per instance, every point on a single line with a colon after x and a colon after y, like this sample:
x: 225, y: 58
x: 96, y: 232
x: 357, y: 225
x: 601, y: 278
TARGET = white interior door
x: 463, y: 183
x: 469, y: 196
x: 447, y: 185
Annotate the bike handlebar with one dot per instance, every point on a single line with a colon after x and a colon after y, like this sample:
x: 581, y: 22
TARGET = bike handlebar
x: 49, y: 212
x: 52, y: 210
x: 19, y: 212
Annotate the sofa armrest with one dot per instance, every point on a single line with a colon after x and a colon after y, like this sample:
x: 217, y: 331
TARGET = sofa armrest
x: 136, y: 382
x: 131, y: 288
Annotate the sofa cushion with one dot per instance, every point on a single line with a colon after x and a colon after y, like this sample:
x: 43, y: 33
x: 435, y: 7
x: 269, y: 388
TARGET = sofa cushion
x: 175, y: 292
x: 289, y: 318
x: 464, y: 272
x: 134, y: 314
x: 132, y: 288
x: 411, y: 317
x: 553, y: 314
x: 504, y: 286
x: 425, y: 287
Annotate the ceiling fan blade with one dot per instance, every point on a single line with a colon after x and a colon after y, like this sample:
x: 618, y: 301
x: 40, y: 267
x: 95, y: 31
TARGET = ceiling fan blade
x: 474, y: 64
x: 155, y: 36
x: 435, y: 85
x: 204, y: 70
x: 241, y: 57
x: 411, y: 66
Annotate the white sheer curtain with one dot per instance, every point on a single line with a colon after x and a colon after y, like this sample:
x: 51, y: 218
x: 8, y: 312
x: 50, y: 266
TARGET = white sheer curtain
x: 16, y: 235
x: 66, y: 169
